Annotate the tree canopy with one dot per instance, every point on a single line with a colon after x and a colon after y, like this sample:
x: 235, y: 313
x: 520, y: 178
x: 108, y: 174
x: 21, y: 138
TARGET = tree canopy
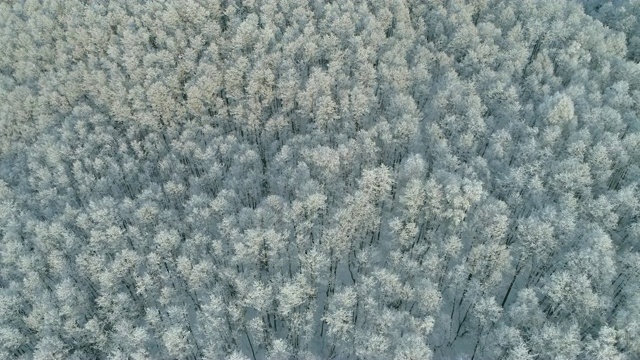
x: 276, y: 179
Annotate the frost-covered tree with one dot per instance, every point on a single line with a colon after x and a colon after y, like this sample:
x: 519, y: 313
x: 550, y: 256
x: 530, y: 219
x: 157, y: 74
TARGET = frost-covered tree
x: 274, y: 179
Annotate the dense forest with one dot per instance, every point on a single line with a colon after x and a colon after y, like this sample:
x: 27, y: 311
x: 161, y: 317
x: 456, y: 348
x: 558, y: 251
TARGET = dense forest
x: 313, y: 179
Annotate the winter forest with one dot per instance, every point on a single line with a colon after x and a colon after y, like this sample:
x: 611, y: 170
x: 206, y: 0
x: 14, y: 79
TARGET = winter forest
x: 320, y: 179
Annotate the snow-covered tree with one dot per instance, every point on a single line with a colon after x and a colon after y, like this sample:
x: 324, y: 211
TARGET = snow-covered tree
x: 275, y: 179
